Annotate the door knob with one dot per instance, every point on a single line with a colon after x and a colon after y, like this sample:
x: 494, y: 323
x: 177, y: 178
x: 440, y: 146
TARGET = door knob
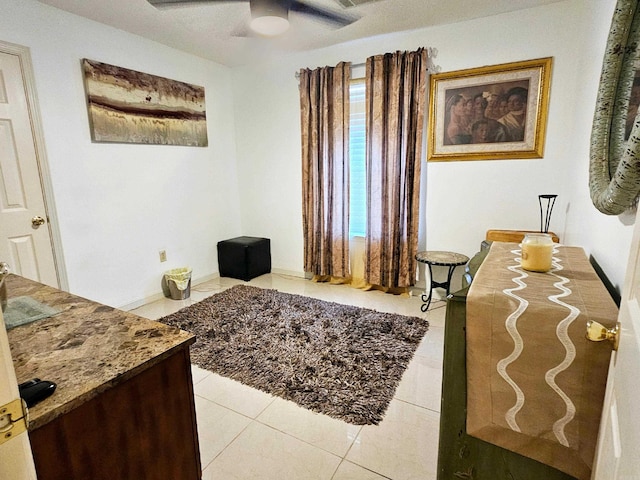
x: 596, y: 332
x: 37, y: 221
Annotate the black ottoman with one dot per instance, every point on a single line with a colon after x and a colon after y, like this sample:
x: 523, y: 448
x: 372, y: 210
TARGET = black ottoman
x: 244, y: 257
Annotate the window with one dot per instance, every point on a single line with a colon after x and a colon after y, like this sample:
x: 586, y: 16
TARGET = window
x: 357, y: 171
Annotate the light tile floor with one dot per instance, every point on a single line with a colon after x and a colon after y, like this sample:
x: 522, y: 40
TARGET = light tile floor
x: 246, y: 434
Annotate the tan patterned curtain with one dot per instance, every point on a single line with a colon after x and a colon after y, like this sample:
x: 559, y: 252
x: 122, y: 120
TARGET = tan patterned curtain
x: 324, y: 105
x: 395, y: 104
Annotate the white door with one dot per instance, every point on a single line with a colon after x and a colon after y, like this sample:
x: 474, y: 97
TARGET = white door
x: 16, y: 460
x: 618, y: 456
x: 25, y: 237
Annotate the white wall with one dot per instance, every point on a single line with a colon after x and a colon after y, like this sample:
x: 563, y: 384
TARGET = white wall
x: 608, y: 238
x: 119, y: 204
x: 463, y: 199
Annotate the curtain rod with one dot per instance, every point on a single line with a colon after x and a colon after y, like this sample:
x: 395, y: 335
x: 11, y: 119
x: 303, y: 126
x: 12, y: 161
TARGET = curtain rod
x: 432, y: 52
x: 353, y: 65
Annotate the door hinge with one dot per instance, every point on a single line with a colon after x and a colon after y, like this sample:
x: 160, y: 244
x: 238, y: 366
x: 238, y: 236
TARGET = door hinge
x: 14, y: 419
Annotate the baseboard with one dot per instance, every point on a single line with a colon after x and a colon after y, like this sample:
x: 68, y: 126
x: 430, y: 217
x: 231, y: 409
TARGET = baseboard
x: 290, y: 273
x: 159, y: 296
x: 414, y: 291
x: 139, y: 303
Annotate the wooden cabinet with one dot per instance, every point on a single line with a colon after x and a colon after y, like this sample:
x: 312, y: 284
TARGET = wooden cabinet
x: 519, y: 373
x: 143, y: 428
x: 461, y: 456
x: 123, y: 408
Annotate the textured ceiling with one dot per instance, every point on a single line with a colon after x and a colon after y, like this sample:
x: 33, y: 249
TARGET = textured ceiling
x: 210, y: 30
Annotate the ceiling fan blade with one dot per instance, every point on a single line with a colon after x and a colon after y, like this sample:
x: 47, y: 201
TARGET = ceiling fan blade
x: 270, y: 7
x: 322, y: 13
x: 242, y: 30
x: 169, y: 3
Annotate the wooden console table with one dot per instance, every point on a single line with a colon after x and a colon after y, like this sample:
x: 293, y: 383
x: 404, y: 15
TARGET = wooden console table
x: 513, y: 235
x: 491, y: 449
x: 123, y: 407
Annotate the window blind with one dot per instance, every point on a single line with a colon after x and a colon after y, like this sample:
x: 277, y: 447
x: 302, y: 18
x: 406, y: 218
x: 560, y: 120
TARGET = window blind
x: 357, y: 174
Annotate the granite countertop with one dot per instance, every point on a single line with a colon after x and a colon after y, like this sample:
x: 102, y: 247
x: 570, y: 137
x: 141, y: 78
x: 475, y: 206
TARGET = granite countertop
x: 86, y: 349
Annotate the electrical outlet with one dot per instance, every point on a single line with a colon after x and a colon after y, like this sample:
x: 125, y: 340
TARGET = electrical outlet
x: 163, y: 255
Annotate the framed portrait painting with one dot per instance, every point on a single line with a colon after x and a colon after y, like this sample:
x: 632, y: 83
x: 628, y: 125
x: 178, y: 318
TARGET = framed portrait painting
x: 491, y: 112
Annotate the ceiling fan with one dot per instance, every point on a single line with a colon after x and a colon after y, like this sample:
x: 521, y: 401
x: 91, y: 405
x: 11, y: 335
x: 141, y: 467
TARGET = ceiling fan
x: 271, y: 17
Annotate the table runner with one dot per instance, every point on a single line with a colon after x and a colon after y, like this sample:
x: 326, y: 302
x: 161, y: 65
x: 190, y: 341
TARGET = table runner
x: 535, y: 384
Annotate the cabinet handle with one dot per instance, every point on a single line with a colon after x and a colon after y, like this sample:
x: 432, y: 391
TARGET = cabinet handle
x: 596, y: 332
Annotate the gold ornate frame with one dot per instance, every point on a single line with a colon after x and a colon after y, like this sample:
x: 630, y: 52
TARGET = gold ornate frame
x: 489, y: 81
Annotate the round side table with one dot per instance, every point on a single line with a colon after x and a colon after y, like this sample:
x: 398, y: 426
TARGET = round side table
x: 439, y: 258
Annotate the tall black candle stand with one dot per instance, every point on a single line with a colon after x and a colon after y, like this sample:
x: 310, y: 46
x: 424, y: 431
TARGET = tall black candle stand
x: 545, y: 217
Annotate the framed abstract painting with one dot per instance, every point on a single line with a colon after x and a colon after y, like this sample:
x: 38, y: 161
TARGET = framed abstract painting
x: 126, y: 106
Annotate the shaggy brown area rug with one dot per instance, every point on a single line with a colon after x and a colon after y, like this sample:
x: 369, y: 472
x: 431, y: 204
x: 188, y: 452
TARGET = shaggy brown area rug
x: 339, y: 360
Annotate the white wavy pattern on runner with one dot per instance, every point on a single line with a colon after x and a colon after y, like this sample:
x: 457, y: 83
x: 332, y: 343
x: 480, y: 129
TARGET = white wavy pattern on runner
x: 562, y: 332
x: 511, y: 326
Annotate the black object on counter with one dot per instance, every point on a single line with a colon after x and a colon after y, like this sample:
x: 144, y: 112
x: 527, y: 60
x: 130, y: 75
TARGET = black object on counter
x: 36, y: 390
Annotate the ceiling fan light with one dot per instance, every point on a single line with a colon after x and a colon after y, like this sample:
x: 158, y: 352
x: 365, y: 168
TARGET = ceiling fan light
x: 269, y: 25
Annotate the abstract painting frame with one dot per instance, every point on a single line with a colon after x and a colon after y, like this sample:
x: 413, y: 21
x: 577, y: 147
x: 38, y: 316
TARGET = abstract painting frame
x: 127, y: 106
x: 491, y: 112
